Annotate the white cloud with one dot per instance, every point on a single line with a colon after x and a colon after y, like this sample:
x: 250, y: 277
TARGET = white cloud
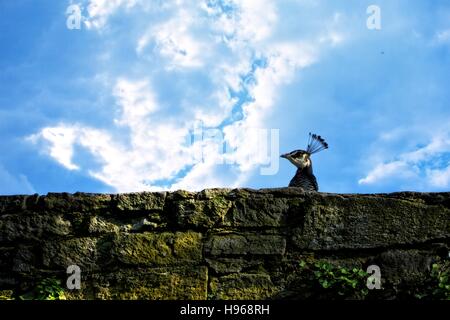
x: 213, y: 117
x: 137, y: 101
x: 100, y: 10
x: 427, y: 164
x: 439, y: 178
x: 236, y: 50
x: 61, y: 141
x: 174, y: 41
x: 442, y: 36
x: 126, y: 167
x: 247, y: 32
x: 251, y: 21
x: 332, y: 34
x: 383, y: 171
x: 283, y: 60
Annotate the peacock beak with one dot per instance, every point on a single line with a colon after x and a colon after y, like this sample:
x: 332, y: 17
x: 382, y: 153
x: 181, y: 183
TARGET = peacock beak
x: 284, y: 155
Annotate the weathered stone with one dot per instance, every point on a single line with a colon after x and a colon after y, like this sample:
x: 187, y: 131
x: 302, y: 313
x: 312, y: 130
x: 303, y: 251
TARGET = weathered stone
x: 78, y: 202
x: 86, y: 292
x: 188, y: 247
x: 150, y: 284
x: 427, y: 198
x: 201, y: 213
x: 6, y: 258
x: 6, y: 295
x: 405, y: 266
x: 242, y: 287
x: 257, y: 210
x: 180, y: 195
x: 158, y: 249
x: 98, y: 225
x: 24, y: 260
x: 243, y: 244
x: 143, y: 225
x: 83, y: 252
x: 12, y: 204
x: 32, y: 226
x: 205, y: 209
x: 143, y: 201
x: 232, y: 265
x: 334, y: 222
x: 208, y: 194
x: 8, y: 280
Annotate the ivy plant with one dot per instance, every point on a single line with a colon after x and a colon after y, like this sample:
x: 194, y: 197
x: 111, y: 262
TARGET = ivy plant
x: 46, y: 289
x: 336, y: 280
x: 438, y: 286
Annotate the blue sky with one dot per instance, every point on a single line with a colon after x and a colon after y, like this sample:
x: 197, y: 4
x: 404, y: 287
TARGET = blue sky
x: 164, y: 95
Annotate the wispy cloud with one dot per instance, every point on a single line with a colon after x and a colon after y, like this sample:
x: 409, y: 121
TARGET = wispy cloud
x: 61, y: 141
x: 131, y: 166
x: 116, y: 104
x: 439, y: 177
x: 174, y: 41
x: 442, y: 37
x: 14, y: 184
x: 389, y: 170
x: 231, y: 43
x: 429, y: 164
x: 99, y: 11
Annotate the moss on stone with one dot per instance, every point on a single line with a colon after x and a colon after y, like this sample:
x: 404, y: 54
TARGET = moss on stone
x: 242, y: 287
x: 143, y: 249
x: 221, y: 265
x: 78, y: 202
x: 140, y: 201
x: 82, y: 252
x: 158, y: 249
x: 99, y: 225
x: 188, y: 246
x: 201, y: 213
x: 136, y: 246
x: 246, y: 243
x: 152, y: 284
x: 6, y: 295
x: 334, y: 222
x: 32, y: 226
x: 257, y: 211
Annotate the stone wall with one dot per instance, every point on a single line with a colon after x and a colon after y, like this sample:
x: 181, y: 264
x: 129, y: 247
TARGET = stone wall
x: 218, y: 243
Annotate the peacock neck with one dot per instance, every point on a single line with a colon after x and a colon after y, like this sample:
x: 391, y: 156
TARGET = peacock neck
x: 305, y: 170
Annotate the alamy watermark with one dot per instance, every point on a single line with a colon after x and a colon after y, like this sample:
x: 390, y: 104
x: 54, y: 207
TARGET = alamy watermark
x: 253, y: 146
x: 374, y: 280
x: 374, y: 20
x: 74, y: 17
x: 74, y: 280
